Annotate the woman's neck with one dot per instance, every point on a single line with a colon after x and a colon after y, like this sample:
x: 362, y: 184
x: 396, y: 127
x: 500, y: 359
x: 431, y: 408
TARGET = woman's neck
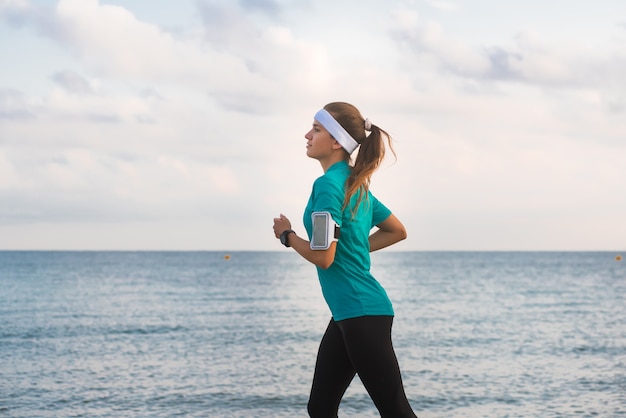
x: 331, y: 160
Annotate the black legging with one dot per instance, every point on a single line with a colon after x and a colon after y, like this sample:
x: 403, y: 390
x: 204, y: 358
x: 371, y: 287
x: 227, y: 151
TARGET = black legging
x: 359, y: 345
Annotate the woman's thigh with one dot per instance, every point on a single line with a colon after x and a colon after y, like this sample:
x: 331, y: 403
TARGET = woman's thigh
x: 368, y: 343
x: 333, y: 374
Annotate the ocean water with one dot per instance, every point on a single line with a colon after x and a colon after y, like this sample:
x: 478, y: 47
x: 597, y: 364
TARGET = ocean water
x: 210, y: 334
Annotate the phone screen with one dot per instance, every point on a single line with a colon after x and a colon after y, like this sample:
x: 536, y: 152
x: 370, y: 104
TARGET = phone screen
x: 320, y: 234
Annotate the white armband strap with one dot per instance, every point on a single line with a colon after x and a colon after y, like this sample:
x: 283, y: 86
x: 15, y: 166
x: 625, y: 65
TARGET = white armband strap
x: 325, y: 231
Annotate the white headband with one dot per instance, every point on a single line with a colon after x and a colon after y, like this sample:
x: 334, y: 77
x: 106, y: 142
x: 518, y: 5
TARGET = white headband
x: 336, y: 130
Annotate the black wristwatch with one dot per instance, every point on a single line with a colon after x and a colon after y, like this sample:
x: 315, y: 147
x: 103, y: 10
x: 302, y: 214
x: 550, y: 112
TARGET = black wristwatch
x: 284, y: 237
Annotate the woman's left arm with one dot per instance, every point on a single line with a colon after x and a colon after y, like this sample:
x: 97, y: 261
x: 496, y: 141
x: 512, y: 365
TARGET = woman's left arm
x: 389, y: 232
x: 321, y: 258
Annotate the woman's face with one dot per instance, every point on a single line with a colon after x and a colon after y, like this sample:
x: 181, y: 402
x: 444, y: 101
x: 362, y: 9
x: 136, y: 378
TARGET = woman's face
x: 320, y: 144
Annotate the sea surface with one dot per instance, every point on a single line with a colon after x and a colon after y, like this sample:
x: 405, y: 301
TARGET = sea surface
x: 215, y: 334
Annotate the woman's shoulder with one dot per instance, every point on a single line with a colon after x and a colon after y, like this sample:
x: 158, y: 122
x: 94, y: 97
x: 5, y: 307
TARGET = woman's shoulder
x: 336, y: 178
x: 327, y: 183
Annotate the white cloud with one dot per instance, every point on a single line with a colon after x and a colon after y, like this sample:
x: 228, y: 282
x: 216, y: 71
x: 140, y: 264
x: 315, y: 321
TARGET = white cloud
x: 446, y: 6
x: 135, y: 48
x: 527, y: 57
x: 15, y: 105
x: 72, y: 82
x: 9, y: 179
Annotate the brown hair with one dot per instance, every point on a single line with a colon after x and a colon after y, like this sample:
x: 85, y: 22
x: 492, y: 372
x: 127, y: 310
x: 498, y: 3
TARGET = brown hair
x: 370, y: 154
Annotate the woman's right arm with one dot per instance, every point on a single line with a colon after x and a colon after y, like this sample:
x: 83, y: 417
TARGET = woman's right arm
x: 389, y: 232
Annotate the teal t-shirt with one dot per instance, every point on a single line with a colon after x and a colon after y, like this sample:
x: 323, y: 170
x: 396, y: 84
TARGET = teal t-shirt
x: 348, y: 287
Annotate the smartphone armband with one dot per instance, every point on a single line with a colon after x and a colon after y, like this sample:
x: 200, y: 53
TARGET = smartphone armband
x: 325, y: 231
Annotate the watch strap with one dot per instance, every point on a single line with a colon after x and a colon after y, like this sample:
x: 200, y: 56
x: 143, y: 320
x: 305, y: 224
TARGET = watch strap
x: 284, y: 237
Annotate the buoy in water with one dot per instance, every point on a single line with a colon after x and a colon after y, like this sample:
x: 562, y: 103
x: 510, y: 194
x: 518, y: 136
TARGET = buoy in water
x: 227, y: 257
x: 618, y: 258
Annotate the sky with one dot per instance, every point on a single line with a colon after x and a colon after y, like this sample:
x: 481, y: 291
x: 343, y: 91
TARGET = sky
x: 179, y: 125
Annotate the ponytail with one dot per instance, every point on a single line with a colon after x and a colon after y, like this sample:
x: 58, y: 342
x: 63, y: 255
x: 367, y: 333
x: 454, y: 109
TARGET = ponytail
x: 370, y: 154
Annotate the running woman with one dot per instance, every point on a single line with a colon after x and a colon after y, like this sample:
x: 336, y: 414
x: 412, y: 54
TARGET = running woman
x: 358, y: 337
